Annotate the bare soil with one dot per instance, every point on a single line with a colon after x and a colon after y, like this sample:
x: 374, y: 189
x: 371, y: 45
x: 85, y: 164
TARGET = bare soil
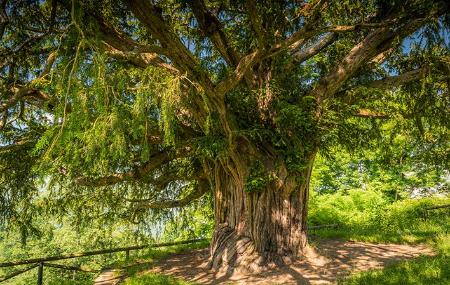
x: 331, y: 260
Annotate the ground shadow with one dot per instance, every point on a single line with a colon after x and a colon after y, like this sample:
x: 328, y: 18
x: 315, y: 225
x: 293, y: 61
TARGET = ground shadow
x: 331, y: 260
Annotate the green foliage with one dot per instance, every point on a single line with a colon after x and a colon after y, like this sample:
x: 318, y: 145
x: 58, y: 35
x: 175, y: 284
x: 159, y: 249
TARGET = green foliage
x: 193, y: 221
x: 258, y: 179
x: 211, y: 147
x: 394, y: 172
x: 366, y: 215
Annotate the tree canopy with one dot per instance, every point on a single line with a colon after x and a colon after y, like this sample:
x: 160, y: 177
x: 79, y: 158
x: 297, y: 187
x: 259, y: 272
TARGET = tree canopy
x: 121, y: 107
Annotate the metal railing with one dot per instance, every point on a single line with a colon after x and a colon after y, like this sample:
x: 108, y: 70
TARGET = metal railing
x: 41, y: 262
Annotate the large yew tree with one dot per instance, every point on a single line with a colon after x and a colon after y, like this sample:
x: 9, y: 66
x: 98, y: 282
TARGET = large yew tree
x: 143, y: 105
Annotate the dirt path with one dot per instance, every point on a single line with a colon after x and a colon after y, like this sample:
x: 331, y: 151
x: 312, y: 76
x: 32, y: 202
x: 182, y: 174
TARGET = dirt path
x: 109, y: 277
x: 333, y: 259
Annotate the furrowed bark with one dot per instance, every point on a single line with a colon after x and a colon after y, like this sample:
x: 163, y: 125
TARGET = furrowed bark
x: 262, y: 228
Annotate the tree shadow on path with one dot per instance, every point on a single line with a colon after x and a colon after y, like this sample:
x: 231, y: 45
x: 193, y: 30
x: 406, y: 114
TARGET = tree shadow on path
x: 332, y: 260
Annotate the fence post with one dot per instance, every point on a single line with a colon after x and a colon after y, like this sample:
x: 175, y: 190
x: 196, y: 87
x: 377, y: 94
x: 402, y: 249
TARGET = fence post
x: 127, y: 255
x: 40, y: 273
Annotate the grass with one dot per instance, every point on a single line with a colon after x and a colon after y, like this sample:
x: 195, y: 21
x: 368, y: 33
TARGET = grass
x: 424, y: 270
x: 156, y: 279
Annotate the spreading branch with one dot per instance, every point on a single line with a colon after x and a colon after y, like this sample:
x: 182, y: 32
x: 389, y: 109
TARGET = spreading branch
x: 201, y: 189
x: 236, y: 76
x: 305, y: 54
x: 398, y: 80
x: 212, y: 28
x: 150, y: 16
x: 376, y: 42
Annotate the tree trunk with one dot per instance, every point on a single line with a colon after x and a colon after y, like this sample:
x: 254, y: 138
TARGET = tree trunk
x: 256, y: 229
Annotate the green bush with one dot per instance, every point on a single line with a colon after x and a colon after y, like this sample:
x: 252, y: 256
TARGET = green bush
x: 346, y: 208
x: 367, y: 215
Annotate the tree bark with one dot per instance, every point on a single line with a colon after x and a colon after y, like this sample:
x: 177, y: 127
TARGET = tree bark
x: 258, y: 229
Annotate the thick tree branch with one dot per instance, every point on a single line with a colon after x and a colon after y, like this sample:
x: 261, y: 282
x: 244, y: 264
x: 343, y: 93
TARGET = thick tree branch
x: 201, y: 189
x: 330, y: 83
x: 233, y: 79
x: 150, y: 15
x: 212, y: 28
x: 395, y: 81
x: 375, y: 43
x: 303, y: 55
x: 366, y: 113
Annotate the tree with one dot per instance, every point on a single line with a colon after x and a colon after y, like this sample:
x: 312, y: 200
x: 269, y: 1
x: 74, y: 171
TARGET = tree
x: 146, y: 105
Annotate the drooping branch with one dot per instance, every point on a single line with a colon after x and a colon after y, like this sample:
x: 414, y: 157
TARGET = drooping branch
x: 120, y: 46
x: 201, y: 189
x: 25, y: 93
x: 16, y: 145
x: 20, y: 93
x: 140, y: 59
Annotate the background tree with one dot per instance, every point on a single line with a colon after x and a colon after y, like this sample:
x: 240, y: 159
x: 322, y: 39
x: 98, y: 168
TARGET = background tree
x: 136, y: 106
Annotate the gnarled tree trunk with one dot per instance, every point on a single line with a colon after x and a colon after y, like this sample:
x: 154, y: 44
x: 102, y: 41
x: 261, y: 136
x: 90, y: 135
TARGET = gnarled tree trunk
x: 256, y: 229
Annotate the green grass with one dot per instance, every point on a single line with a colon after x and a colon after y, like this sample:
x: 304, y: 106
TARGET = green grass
x: 59, y: 281
x: 155, y: 279
x: 424, y: 270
